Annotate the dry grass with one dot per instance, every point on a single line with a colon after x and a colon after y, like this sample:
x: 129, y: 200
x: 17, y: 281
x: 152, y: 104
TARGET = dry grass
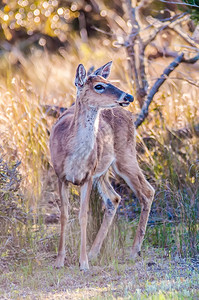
x: 170, y: 164
x: 155, y: 276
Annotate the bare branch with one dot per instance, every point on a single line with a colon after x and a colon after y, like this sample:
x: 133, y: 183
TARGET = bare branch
x: 172, y: 25
x: 144, y: 82
x: 131, y: 12
x: 180, y: 3
x: 144, y: 111
x: 135, y: 50
x: 162, y: 53
x: 168, y: 24
x: 192, y: 49
x: 130, y: 46
x: 191, y: 60
x: 187, y: 80
x: 185, y: 36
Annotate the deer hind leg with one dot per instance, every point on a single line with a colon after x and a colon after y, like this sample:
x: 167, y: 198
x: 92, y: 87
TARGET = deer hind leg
x: 111, y: 200
x: 64, y: 196
x: 135, y: 179
x: 83, y: 217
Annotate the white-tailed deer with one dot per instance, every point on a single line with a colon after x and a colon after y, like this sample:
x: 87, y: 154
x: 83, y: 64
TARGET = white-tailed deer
x: 89, y: 138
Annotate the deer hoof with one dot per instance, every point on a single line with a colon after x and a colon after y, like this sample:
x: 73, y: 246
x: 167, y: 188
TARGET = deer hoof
x: 84, y: 266
x: 135, y: 252
x: 59, y: 263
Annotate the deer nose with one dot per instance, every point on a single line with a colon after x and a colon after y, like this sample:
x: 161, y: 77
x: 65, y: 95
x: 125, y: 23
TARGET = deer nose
x: 128, y: 98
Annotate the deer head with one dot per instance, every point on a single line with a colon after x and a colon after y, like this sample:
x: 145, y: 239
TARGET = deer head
x: 96, y: 91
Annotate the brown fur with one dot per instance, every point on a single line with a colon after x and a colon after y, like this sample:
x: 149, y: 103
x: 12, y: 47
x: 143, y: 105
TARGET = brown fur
x: 83, y: 149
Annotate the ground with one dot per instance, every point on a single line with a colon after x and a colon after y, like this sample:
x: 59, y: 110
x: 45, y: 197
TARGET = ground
x: 154, y: 275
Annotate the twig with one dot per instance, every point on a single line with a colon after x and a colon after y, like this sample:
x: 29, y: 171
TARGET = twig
x: 168, y: 24
x: 172, y: 25
x: 191, y: 60
x: 180, y: 3
x: 185, y: 36
x: 103, y: 31
x: 187, y: 80
x: 162, y: 53
x: 189, y: 47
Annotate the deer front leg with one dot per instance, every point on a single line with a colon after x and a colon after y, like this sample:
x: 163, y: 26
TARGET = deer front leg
x: 64, y: 197
x: 83, y: 217
x: 111, y: 200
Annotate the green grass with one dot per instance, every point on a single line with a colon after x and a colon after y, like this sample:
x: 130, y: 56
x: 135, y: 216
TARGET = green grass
x: 153, y: 276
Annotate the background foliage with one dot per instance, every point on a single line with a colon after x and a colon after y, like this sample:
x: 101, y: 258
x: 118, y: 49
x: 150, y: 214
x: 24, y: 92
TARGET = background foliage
x: 41, y: 44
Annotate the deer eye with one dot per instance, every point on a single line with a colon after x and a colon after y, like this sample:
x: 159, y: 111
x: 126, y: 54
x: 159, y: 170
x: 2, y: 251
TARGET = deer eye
x: 99, y: 87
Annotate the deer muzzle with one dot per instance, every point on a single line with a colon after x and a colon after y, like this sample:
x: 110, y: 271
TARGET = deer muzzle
x: 125, y: 99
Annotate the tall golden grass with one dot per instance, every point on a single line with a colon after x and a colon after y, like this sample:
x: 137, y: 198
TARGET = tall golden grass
x: 171, y: 164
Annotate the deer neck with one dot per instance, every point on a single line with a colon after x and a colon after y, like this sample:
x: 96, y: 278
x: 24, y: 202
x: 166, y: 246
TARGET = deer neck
x: 86, y: 122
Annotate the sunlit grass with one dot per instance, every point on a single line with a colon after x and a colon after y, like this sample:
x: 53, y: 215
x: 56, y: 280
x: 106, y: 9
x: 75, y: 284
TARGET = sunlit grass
x: 170, y: 164
x: 24, y: 133
x: 152, y: 277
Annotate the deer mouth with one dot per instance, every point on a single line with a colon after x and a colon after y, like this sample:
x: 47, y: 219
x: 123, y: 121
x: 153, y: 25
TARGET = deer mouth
x: 124, y: 104
x: 125, y: 99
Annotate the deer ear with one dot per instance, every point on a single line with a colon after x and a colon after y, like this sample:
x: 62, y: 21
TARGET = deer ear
x: 80, y: 76
x: 104, y: 71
